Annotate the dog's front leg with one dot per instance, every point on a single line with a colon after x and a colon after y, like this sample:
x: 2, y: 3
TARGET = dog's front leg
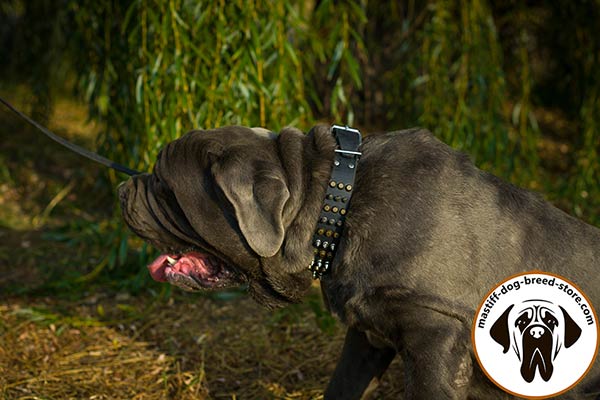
x: 360, y: 363
x: 436, y: 355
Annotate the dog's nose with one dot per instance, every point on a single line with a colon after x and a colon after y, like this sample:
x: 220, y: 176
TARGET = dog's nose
x: 536, y: 332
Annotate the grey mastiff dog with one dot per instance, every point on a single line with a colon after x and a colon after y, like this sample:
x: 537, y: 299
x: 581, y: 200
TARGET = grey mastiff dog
x: 427, y: 235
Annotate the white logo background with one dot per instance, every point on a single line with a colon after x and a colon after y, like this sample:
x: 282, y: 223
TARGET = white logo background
x: 569, y: 363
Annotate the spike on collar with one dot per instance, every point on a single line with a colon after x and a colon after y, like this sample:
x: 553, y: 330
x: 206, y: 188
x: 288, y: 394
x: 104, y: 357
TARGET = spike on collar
x: 335, y: 206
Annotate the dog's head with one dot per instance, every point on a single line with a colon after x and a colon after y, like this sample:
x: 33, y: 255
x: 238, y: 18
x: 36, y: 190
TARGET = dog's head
x: 536, y: 330
x: 233, y: 205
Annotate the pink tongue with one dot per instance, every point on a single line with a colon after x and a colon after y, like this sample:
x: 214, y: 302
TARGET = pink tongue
x: 191, y: 262
x: 157, y: 268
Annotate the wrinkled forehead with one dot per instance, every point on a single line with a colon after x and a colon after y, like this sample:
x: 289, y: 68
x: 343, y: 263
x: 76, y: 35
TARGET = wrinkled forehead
x: 535, y: 310
x: 202, y: 147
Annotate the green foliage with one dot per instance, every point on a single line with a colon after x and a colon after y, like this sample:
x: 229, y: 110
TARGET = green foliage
x: 334, y: 48
x: 585, y: 184
x: 159, y: 68
x: 464, y: 81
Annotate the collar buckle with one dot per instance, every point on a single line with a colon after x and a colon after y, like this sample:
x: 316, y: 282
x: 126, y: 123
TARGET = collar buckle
x: 353, y: 153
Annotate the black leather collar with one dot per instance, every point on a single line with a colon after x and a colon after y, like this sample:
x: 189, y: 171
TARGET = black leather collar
x: 335, y: 207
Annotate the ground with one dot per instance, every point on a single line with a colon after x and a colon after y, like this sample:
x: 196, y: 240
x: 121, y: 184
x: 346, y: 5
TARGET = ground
x: 72, y: 327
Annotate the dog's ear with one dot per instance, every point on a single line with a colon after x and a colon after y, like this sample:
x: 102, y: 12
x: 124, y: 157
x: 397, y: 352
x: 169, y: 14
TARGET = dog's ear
x: 572, y: 330
x: 258, y: 196
x: 499, y: 331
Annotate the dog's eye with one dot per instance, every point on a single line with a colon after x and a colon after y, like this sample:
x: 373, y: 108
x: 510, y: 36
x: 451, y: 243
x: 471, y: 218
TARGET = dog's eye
x: 522, y: 322
x: 551, y: 322
x: 549, y: 319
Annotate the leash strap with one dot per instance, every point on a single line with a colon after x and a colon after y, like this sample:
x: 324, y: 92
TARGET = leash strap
x: 71, y: 146
x: 330, y: 225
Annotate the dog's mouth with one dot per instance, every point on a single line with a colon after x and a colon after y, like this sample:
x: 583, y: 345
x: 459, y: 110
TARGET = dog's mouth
x: 194, y: 271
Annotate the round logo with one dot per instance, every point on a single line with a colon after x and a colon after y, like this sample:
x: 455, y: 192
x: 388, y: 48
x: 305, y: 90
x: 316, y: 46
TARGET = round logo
x: 535, y: 335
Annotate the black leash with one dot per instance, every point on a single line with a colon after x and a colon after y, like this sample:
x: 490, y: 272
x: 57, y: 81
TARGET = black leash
x: 73, y: 147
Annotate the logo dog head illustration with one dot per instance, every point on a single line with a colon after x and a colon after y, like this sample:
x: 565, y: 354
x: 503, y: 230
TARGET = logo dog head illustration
x: 537, y: 331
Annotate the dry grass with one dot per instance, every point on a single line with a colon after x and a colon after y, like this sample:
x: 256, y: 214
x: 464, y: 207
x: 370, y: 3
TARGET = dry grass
x: 191, y: 348
x: 92, y: 362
